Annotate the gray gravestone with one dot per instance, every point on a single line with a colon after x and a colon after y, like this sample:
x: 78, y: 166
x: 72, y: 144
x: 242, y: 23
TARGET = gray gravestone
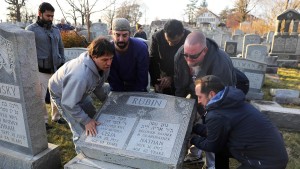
x: 231, y: 48
x: 141, y: 130
x: 100, y: 29
x: 256, y: 52
x: 23, y: 139
x: 225, y: 37
x: 71, y: 53
x: 249, y: 39
x: 255, y: 71
x: 285, y: 93
x: 270, y: 36
x: 218, y: 39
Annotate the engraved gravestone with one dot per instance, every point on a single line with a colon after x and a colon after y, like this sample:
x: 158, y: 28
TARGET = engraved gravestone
x: 255, y: 72
x: 71, y: 53
x: 249, y: 39
x: 141, y: 130
x: 23, y: 139
x: 231, y: 48
x: 256, y: 52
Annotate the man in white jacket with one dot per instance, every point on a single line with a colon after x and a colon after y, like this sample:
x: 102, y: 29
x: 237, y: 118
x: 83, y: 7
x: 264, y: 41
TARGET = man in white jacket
x: 72, y: 84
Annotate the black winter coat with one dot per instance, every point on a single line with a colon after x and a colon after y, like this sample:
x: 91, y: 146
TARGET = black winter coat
x: 248, y: 134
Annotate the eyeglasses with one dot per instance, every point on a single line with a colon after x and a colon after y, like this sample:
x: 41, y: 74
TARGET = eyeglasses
x: 195, y: 56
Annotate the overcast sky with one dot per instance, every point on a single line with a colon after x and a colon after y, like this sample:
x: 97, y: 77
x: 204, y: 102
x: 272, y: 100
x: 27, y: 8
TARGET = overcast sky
x: 152, y: 9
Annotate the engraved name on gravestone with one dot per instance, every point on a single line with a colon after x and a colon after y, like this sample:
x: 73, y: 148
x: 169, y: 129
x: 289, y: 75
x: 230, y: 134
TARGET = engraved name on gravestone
x: 71, y: 53
x: 12, y: 126
x: 141, y: 130
x: 253, y: 70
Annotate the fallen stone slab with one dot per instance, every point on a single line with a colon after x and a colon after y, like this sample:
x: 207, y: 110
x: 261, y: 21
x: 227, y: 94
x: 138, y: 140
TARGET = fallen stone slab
x: 287, y: 118
x: 287, y: 100
x: 285, y: 93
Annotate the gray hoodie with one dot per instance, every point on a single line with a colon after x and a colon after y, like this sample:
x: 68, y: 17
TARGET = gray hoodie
x: 73, y: 82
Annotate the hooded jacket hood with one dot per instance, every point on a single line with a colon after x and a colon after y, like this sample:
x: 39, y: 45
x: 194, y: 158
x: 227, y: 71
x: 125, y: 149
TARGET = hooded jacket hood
x: 227, y: 98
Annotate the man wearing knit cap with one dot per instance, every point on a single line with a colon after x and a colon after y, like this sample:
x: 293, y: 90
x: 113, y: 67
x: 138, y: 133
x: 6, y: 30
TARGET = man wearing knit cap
x: 129, y: 68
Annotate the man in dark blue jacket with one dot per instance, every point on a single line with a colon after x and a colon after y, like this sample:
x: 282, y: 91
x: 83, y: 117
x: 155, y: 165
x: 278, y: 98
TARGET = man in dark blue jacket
x: 129, y: 68
x: 235, y: 128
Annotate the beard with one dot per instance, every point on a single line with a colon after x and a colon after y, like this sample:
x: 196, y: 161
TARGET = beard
x: 46, y: 24
x: 122, y: 45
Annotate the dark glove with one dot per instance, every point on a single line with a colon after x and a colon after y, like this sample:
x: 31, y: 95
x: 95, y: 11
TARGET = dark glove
x: 196, y: 140
x: 200, y: 129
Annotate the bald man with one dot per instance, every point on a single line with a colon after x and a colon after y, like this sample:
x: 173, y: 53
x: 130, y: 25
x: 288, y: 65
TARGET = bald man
x: 198, y: 57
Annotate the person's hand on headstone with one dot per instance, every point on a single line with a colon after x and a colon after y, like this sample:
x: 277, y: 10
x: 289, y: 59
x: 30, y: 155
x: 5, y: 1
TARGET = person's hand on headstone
x: 165, y: 82
x: 90, y: 128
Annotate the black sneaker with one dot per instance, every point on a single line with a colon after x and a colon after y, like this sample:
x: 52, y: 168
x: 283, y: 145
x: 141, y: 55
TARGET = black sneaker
x: 48, y: 127
x: 60, y: 121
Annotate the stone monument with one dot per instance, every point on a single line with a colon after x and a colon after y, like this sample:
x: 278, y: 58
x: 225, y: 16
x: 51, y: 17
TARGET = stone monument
x: 284, y: 44
x: 255, y: 71
x: 139, y: 130
x: 23, y: 139
x: 72, y: 53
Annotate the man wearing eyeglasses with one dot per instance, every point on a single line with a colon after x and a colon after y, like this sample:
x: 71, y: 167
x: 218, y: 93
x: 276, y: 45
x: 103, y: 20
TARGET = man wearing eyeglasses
x: 129, y: 68
x: 164, y: 46
x: 198, y: 57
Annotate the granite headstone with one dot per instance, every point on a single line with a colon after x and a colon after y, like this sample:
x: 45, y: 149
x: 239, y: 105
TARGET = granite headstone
x: 255, y: 71
x: 141, y: 130
x: 23, y: 139
x: 71, y: 53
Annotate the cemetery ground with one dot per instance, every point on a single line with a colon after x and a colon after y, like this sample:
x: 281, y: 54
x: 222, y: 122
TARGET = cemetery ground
x: 288, y: 78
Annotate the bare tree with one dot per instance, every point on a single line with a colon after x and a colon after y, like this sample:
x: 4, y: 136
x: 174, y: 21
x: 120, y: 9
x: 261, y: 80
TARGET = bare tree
x: 86, y: 9
x: 15, y: 9
x: 244, y: 7
x: 130, y: 11
x: 110, y: 14
x: 190, y: 11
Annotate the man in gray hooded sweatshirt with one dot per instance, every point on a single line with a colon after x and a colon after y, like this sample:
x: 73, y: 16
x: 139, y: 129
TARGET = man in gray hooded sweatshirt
x: 71, y: 85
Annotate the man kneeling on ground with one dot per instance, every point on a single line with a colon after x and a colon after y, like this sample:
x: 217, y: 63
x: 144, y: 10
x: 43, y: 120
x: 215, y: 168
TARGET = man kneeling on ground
x: 234, y: 128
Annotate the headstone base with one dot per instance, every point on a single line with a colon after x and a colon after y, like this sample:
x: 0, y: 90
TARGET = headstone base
x: 254, y: 95
x: 47, y: 159
x: 272, y: 69
x: 288, y: 63
x: 82, y: 162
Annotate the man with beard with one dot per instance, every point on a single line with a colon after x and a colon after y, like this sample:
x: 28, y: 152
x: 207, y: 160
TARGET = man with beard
x: 50, y: 52
x: 129, y: 68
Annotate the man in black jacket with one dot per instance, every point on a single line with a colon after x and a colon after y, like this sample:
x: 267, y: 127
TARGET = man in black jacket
x: 164, y: 46
x: 198, y: 57
x: 235, y: 128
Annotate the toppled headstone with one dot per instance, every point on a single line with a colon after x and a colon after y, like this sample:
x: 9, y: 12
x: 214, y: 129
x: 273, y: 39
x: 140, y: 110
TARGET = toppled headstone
x: 141, y: 130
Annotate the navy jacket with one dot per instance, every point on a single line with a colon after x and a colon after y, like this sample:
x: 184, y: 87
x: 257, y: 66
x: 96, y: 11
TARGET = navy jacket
x: 248, y: 134
x: 129, y: 70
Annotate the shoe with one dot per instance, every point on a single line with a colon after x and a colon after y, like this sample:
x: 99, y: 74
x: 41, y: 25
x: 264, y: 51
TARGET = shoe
x: 60, y: 121
x: 190, y: 158
x: 48, y: 127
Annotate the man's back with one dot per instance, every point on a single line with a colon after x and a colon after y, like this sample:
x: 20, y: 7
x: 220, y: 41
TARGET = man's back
x: 249, y: 135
